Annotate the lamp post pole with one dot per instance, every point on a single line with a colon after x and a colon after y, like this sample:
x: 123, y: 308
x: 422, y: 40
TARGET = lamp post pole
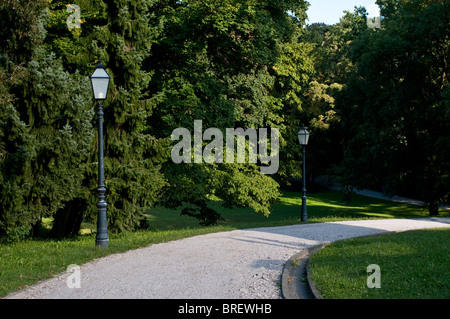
x: 100, y: 82
x: 304, y: 216
x: 102, y: 239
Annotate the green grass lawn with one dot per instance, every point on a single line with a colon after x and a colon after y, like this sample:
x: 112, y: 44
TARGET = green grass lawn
x: 413, y: 265
x: 27, y: 262
x: 322, y: 207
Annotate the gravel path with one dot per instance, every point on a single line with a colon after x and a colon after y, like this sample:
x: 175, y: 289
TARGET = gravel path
x: 228, y: 265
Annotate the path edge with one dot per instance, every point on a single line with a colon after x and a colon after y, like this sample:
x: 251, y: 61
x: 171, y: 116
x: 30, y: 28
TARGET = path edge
x: 295, y: 279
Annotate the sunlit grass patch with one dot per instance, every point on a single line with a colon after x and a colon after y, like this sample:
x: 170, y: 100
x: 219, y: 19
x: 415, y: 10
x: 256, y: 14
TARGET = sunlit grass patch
x: 413, y: 265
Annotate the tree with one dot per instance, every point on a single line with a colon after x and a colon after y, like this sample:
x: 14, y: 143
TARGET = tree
x: 326, y: 55
x: 215, y: 63
x: 229, y: 63
x: 133, y: 155
x: 395, y: 106
x: 45, y: 125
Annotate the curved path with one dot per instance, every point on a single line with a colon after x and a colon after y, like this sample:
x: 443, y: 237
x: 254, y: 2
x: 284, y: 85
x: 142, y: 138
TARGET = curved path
x: 228, y: 265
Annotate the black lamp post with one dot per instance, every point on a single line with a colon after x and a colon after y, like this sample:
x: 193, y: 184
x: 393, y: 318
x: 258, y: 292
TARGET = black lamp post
x: 100, y: 82
x: 303, y: 137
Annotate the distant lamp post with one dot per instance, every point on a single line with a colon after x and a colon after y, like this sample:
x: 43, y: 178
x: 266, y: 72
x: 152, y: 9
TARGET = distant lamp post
x: 303, y: 137
x: 100, y: 82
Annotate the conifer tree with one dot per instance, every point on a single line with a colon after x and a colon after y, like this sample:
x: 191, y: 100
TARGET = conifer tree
x: 45, y: 126
x: 132, y: 155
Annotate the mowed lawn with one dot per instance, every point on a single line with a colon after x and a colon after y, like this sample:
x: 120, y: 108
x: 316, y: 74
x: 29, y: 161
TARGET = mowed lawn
x: 412, y: 265
x: 322, y: 207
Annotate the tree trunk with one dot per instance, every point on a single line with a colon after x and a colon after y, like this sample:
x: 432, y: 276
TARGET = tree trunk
x: 433, y: 208
x: 68, y: 220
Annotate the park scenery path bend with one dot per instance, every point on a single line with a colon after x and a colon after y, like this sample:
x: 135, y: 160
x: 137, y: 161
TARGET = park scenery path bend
x: 239, y: 264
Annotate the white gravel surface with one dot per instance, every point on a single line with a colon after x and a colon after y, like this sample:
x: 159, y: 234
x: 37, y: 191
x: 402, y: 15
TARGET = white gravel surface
x: 240, y: 264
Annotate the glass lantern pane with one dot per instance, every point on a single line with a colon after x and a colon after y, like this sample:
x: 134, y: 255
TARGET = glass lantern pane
x: 100, y: 88
x: 306, y: 139
x: 100, y: 81
x: 303, y: 137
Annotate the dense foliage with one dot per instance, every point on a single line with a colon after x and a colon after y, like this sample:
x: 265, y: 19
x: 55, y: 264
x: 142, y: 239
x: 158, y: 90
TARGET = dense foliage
x: 376, y: 101
x: 396, y: 105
